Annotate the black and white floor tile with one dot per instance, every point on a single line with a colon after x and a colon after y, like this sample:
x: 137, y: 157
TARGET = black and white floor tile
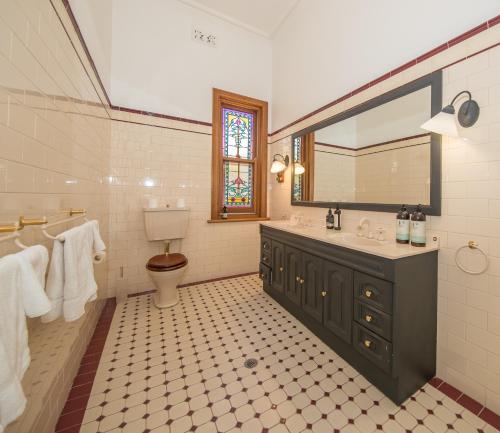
x: 183, y: 370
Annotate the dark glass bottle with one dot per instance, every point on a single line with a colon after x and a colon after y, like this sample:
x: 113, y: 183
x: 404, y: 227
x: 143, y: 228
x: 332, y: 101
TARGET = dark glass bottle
x: 403, y: 226
x: 329, y: 219
x: 417, y: 232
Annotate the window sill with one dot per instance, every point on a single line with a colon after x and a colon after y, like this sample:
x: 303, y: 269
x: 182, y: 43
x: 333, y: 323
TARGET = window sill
x: 238, y: 220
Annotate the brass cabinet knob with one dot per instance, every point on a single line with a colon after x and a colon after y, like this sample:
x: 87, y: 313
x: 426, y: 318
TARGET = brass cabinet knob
x: 265, y: 245
x: 301, y: 281
x: 368, y: 318
x: 281, y: 268
x: 323, y: 293
x: 367, y: 343
x: 265, y: 258
x: 261, y: 276
x: 297, y: 278
x: 368, y: 293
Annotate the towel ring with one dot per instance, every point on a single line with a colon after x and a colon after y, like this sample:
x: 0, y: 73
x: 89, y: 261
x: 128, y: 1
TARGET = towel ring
x: 473, y: 246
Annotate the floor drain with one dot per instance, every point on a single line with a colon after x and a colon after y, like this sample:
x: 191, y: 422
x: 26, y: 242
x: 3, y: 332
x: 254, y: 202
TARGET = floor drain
x: 251, y: 363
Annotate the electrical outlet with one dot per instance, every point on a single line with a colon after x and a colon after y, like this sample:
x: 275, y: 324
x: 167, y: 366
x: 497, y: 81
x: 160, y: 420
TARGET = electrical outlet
x: 205, y: 38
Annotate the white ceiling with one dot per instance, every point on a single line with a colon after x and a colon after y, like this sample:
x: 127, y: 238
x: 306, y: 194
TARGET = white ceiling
x: 259, y: 16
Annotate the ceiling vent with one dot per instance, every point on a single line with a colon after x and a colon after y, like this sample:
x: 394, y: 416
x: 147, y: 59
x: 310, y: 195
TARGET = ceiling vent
x: 202, y: 37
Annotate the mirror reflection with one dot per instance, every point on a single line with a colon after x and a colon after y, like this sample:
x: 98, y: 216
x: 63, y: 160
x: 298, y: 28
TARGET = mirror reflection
x: 378, y: 156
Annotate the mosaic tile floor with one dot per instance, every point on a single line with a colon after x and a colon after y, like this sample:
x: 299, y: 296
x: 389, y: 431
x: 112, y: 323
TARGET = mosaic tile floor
x: 182, y: 370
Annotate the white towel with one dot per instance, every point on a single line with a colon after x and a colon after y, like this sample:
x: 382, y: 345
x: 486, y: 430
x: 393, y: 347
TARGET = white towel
x: 71, y: 283
x: 22, y: 277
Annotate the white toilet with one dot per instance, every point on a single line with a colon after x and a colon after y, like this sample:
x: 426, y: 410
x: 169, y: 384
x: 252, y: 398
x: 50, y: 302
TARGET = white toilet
x: 166, y: 270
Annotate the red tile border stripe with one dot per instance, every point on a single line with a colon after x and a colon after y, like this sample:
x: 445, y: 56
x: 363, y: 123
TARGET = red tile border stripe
x: 72, y: 414
x: 467, y: 402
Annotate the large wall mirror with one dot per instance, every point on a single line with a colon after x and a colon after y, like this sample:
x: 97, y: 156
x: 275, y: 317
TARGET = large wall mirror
x: 374, y: 156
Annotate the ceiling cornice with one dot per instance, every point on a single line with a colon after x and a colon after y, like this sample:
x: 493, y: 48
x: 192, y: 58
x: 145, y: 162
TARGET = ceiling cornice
x: 238, y: 23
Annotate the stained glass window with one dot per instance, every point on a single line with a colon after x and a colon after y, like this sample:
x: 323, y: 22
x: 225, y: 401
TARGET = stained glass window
x: 297, y: 179
x: 237, y: 184
x: 238, y: 154
x: 238, y: 133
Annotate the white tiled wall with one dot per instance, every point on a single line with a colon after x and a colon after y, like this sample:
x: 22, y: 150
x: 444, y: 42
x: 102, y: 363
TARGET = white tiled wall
x: 54, y: 154
x: 469, y: 306
x: 167, y: 164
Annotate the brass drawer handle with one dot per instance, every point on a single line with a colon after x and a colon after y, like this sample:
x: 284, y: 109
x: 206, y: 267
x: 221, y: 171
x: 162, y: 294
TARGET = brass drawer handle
x: 261, y: 276
x: 368, y: 318
x: 368, y: 293
x: 301, y: 281
x: 281, y: 268
x: 367, y: 343
x: 323, y: 293
x: 265, y: 245
x: 265, y: 258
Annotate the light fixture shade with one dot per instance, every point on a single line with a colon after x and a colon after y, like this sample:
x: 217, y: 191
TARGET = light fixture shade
x: 443, y: 123
x: 277, y: 166
x: 299, y: 168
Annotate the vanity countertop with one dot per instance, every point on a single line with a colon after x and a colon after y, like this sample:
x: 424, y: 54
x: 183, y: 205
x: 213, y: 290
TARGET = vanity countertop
x: 388, y: 249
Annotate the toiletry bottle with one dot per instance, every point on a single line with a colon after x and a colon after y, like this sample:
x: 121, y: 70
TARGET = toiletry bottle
x: 403, y: 226
x: 329, y: 219
x: 224, y: 213
x: 417, y: 232
x: 336, y: 215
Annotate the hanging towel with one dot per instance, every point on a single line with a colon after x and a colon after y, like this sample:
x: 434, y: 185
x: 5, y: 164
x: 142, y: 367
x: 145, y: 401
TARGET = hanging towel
x: 71, y: 283
x: 36, y: 303
x: 22, y: 277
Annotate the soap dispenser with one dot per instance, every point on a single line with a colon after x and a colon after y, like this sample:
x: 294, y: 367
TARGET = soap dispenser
x: 403, y: 226
x: 417, y: 232
x: 329, y: 220
x: 336, y: 215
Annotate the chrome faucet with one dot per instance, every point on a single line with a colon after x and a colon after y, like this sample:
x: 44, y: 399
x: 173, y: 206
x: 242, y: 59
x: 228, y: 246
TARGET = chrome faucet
x: 362, y: 223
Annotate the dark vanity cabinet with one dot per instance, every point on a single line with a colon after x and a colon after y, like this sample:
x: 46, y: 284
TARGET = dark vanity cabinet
x: 378, y: 314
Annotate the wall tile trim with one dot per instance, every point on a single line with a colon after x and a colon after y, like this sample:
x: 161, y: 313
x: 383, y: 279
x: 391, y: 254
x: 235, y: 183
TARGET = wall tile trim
x: 467, y: 402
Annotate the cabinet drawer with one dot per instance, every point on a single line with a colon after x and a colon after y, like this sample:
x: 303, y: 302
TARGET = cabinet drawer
x: 373, y: 319
x: 265, y: 245
x: 373, y: 291
x: 265, y: 251
x: 265, y: 273
x: 373, y: 347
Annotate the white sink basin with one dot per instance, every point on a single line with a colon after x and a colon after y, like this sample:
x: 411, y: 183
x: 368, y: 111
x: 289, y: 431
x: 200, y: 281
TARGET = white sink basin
x: 357, y: 240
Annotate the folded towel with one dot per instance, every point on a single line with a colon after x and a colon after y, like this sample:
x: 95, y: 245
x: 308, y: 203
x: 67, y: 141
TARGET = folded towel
x: 71, y: 283
x: 22, y: 293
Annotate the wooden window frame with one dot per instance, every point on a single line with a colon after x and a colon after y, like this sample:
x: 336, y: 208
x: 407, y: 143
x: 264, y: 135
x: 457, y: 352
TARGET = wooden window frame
x: 223, y: 99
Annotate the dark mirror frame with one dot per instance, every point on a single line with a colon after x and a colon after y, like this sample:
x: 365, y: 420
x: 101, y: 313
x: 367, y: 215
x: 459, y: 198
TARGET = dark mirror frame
x: 435, y: 81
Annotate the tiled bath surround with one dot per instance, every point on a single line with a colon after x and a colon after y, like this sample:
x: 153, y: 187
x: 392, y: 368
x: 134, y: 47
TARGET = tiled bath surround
x: 469, y: 306
x: 54, y: 154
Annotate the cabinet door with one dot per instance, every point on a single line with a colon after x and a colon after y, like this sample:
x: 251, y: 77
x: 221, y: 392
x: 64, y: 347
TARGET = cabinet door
x: 293, y: 274
x: 338, y: 297
x: 278, y: 266
x: 312, y: 286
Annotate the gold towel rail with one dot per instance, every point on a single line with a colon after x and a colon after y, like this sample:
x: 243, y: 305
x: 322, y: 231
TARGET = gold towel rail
x: 9, y: 229
x: 23, y: 222
x: 77, y: 212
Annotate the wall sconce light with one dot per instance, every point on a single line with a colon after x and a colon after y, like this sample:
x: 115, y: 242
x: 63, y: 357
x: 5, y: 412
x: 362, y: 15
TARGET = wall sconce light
x: 280, y: 163
x: 444, y: 122
x: 298, y: 168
